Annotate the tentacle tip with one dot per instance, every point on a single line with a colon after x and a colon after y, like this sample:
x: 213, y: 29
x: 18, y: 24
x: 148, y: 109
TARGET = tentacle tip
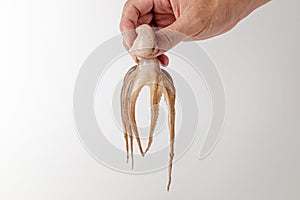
x: 132, y: 164
x: 149, y: 146
x: 168, y: 188
x: 146, y: 151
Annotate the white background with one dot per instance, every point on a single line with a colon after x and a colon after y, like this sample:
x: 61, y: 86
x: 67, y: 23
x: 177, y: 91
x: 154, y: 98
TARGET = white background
x: 42, y: 47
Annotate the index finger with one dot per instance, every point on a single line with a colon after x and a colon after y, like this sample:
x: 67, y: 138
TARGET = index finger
x: 132, y: 11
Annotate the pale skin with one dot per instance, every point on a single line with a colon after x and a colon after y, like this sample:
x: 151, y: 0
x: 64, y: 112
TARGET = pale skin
x: 147, y: 73
x: 177, y: 20
x: 196, y: 19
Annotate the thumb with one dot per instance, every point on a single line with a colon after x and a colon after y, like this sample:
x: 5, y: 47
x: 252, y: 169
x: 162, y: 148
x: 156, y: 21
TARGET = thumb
x: 168, y: 37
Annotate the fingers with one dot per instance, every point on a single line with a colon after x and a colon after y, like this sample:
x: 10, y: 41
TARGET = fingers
x: 133, y: 10
x: 137, y: 12
x: 127, y: 48
x: 168, y: 37
x: 145, y: 19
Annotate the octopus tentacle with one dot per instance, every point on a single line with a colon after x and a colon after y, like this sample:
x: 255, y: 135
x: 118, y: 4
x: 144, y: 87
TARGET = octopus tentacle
x: 131, y: 148
x: 170, y: 99
x: 124, y: 108
x: 169, y: 94
x: 132, y: 117
x: 155, y: 95
x: 147, y: 73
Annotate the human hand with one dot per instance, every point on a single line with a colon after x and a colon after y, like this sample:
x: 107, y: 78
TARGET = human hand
x: 183, y: 19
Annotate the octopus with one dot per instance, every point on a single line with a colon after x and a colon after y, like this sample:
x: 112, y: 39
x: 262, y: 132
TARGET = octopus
x: 147, y: 72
